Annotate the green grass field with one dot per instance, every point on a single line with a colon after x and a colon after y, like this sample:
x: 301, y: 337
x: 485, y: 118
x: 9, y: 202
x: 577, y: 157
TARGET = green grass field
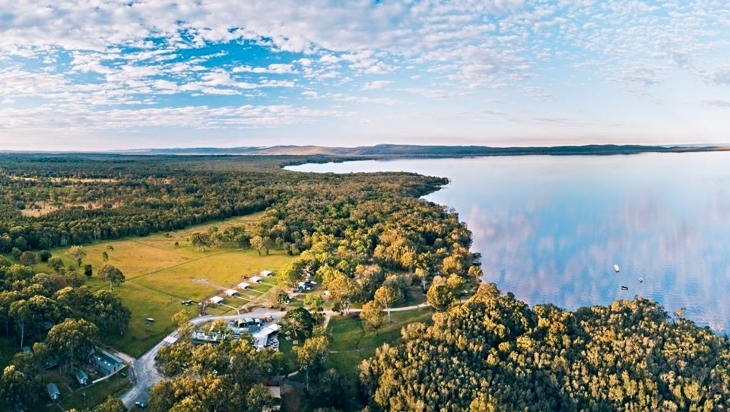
x: 162, y: 270
x: 351, y: 342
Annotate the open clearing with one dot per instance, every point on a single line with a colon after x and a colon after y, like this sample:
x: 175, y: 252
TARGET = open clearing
x: 161, y: 274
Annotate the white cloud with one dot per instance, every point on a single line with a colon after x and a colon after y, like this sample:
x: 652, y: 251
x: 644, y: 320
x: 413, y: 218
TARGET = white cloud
x: 377, y: 84
x: 113, y: 54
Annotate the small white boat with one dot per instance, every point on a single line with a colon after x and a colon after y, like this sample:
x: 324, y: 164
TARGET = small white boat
x: 616, y: 269
x: 641, y: 280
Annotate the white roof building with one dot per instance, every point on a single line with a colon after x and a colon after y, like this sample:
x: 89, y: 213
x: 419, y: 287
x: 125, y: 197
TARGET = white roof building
x: 255, y: 279
x: 263, y: 334
x: 216, y: 299
x: 266, y: 273
x: 231, y: 292
x: 243, y: 285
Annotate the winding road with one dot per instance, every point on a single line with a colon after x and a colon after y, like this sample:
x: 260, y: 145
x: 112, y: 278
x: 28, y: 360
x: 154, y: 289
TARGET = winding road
x: 145, y: 374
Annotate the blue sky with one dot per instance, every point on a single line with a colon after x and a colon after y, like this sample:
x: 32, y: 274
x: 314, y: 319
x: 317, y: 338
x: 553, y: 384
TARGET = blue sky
x: 101, y: 74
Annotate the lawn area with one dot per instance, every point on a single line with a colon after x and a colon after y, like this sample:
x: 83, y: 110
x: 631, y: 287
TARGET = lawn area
x: 348, y: 333
x: 74, y: 395
x: 351, y: 343
x: 158, y: 293
x: 145, y: 303
x: 162, y: 270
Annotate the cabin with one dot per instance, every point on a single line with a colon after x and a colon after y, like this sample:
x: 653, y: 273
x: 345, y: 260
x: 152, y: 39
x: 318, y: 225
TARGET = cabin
x: 231, y: 292
x: 266, y: 273
x: 255, y: 279
x: 81, y: 377
x: 106, y: 363
x: 243, y: 286
x: 53, y: 391
x: 216, y: 300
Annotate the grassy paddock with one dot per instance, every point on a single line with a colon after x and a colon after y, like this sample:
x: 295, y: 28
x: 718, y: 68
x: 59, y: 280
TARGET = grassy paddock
x: 162, y: 270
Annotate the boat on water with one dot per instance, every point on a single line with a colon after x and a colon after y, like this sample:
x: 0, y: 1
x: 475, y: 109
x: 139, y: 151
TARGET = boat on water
x: 616, y: 269
x: 624, y: 287
x: 641, y: 280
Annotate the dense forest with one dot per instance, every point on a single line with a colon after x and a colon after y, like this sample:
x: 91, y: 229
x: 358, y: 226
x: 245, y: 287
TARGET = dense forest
x: 57, y: 321
x: 366, y: 238
x: 50, y: 201
x: 495, y: 353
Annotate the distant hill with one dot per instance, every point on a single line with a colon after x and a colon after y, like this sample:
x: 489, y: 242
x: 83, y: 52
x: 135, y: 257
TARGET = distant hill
x: 393, y: 150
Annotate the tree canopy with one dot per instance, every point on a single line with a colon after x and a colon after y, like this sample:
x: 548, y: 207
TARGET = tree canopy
x: 495, y: 353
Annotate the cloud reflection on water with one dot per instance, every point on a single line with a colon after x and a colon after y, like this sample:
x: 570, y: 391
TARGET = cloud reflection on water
x: 550, y: 229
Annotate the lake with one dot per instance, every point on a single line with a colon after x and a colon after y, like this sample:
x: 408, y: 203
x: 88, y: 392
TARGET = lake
x: 551, y: 229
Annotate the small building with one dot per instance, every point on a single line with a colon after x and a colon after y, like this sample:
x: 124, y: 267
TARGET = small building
x: 266, y: 273
x: 81, y: 377
x: 243, y: 286
x: 275, y: 393
x: 231, y: 292
x: 217, y: 300
x: 53, y: 391
x: 106, y: 363
x: 262, y: 336
x: 52, y: 362
x: 255, y: 279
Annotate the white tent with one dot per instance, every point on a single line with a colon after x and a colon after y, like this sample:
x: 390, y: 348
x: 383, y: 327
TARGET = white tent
x: 243, y: 285
x: 231, y: 292
x: 216, y: 299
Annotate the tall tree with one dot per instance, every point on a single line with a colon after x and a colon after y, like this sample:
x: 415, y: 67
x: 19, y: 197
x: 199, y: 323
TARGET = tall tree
x: 72, y: 340
x: 373, y: 315
x: 342, y: 290
x: 201, y: 240
x: 261, y: 243
x: 386, y: 296
x: 27, y: 258
x: 77, y: 253
x: 311, y: 356
x: 22, y: 314
x: 112, y: 274
x: 298, y: 321
x: 17, y: 390
x: 109, y: 313
x: 440, y: 295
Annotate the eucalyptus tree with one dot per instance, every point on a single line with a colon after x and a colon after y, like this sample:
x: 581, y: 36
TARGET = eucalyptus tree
x: 111, y: 274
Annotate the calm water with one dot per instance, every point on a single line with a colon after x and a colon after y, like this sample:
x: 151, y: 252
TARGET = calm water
x: 550, y: 229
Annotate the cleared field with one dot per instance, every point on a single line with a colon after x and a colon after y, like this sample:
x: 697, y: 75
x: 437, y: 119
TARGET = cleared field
x: 145, y: 303
x: 162, y: 270
x: 211, y: 272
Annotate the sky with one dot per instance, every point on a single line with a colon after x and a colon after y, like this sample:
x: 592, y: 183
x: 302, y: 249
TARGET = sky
x: 106, y: 74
